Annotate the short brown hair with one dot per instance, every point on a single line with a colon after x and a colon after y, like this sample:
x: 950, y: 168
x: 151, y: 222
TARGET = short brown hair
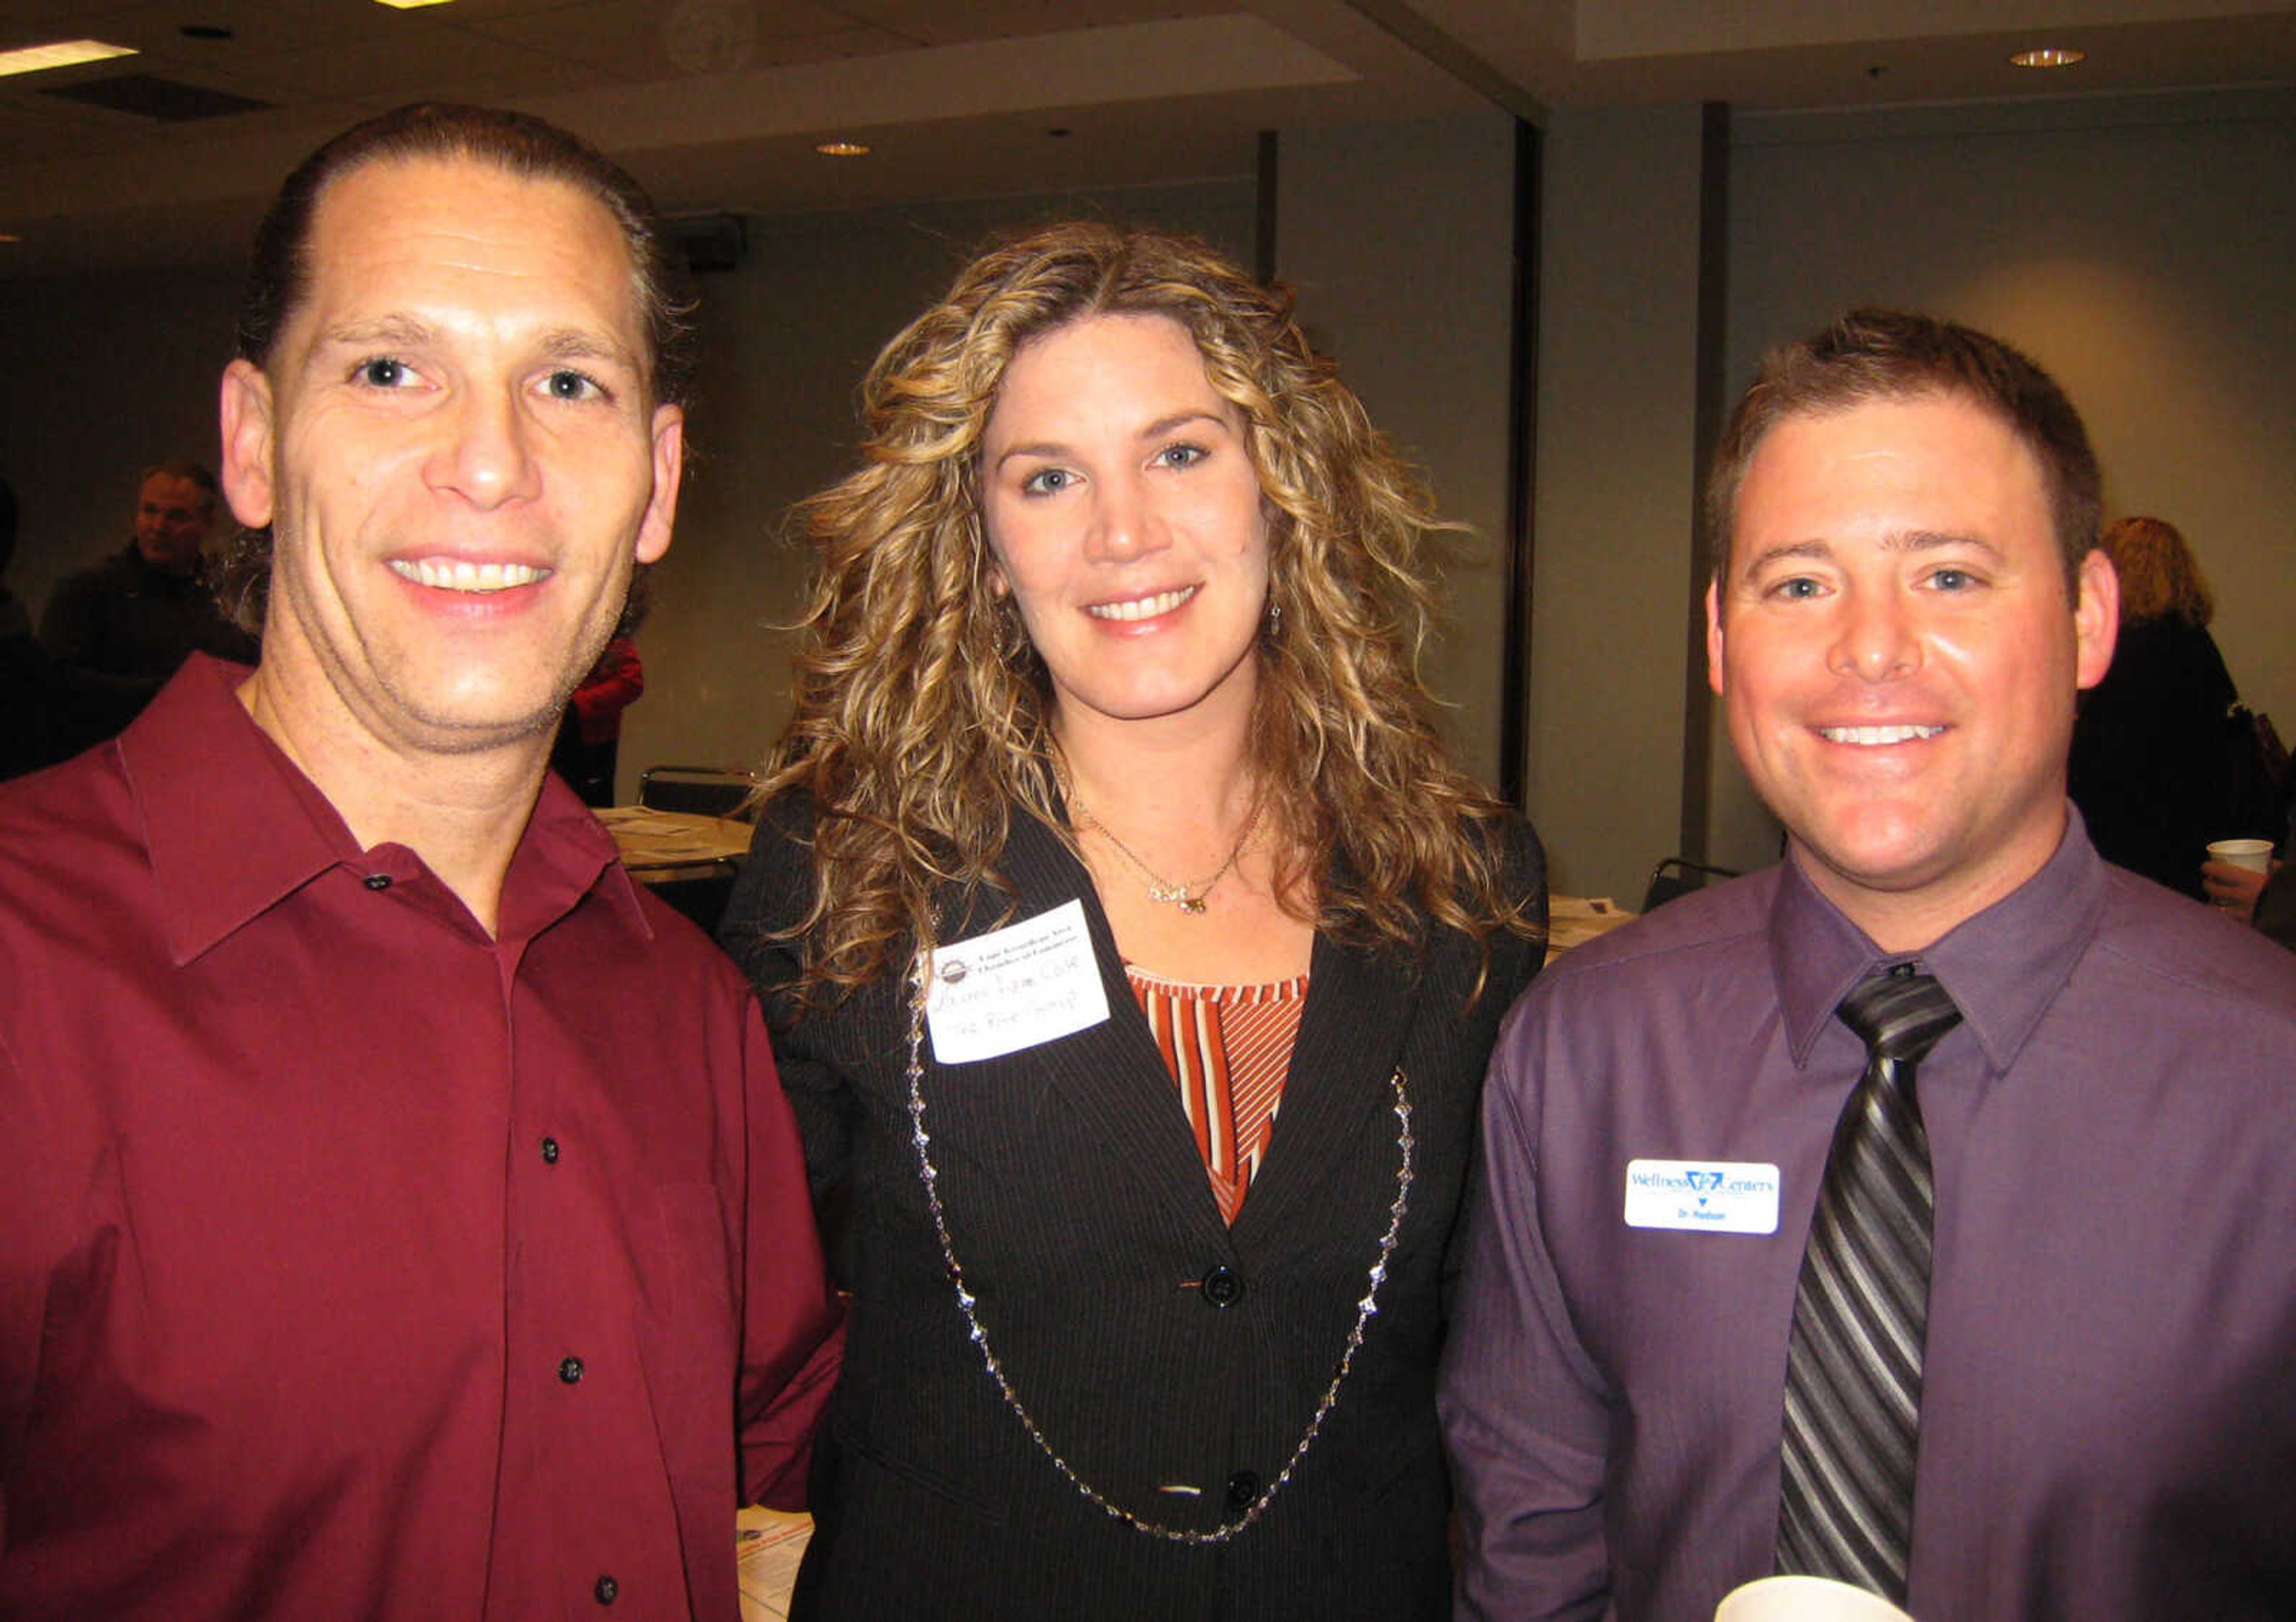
x: 1873, y: 355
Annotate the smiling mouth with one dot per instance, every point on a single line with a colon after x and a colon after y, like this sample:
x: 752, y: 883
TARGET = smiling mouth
x: 460, y: 575
x: 1141, y: 608
x: 1877, y: 735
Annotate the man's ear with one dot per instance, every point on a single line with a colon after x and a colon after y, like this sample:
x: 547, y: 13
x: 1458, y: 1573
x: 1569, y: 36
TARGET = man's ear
x: 246, y: 409
x: 668, y: 472
x: 1714, y: 635
x: 2096, y: 617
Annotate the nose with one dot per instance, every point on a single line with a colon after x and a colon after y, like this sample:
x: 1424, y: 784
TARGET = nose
x: 484, y: 453
x: 1876, y: 637
x: 1125, y: 522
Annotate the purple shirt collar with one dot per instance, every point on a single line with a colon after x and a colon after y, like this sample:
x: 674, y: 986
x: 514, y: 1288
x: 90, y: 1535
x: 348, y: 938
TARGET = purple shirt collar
x: 2002, y: 968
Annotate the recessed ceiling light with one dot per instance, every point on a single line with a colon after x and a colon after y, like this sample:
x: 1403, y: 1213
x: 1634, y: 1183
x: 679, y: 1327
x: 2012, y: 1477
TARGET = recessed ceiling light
x: 10, y: 236
x: 842, y: 149
x: 408, y: 6
x: 2049, y: 56
x: 59, y: 54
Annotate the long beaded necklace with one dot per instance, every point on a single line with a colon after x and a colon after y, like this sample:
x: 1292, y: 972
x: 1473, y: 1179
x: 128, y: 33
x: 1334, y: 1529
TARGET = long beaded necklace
x: 967, y: 1303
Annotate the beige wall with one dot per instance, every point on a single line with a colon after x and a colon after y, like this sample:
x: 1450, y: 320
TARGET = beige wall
x: 1615, y: 480
x: 1398, y: 239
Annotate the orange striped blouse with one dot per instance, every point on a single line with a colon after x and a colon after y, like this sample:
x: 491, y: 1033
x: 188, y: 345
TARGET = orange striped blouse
x: 1229, y: 1049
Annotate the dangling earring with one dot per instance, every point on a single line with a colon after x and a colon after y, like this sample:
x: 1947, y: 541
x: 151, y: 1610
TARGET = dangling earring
x: 1274, y: 620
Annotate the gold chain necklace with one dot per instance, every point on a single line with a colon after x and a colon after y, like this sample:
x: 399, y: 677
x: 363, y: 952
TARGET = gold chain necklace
x: 1188, y: 898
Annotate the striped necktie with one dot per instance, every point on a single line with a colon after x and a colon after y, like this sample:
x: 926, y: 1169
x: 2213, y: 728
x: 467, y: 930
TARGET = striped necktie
x: 1854, y: 1364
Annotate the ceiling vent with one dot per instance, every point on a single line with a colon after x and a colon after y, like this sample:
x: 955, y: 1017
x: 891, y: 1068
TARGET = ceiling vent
x: 167, y: 100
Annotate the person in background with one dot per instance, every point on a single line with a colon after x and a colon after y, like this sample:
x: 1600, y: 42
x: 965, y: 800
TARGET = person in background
x: 2266, y: 899
x: 2151, y: 749
x: 1133, y: 950
x: 49, y: 710
x: 588, y: 745
x: 1914, y: 1213
x: 401, y: 1219
x: 144, y: 611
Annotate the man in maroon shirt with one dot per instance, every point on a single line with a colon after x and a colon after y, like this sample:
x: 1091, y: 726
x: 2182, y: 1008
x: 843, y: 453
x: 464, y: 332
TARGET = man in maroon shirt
x: 401, y: 1215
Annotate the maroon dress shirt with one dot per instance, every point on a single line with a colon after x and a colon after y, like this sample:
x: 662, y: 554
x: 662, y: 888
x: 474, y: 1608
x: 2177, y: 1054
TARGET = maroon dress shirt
x: 356, y: 1264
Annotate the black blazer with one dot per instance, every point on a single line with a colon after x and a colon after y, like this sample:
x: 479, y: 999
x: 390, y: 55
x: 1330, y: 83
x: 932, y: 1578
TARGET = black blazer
x: 1082, y: 1216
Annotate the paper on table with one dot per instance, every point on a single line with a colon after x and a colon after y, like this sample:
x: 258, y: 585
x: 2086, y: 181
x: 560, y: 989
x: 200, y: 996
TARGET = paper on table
x: 768, y: 1545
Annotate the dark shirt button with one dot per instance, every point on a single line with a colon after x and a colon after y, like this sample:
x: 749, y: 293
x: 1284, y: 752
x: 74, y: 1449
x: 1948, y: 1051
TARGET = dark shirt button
x: 605, y: 1591
x: 569, y: 1369
x: 550, y: 1151
x: 1242, y: 1488
x: 1223, y: 1287
x: 378, y: 881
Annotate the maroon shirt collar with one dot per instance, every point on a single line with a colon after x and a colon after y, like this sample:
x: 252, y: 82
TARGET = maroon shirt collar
x: 234, y: 827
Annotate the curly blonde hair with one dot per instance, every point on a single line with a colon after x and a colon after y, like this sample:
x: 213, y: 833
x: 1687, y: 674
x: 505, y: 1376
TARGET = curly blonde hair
x: 2159, y: 574
x: 922, y: 715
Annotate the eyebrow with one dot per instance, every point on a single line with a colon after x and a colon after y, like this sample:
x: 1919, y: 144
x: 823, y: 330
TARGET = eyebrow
x: 401, y: 330
x: 1897, y: 541
x: 1054, y: 450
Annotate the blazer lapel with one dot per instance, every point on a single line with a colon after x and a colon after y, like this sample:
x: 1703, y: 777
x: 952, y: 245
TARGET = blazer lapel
x: 1352, y: 1032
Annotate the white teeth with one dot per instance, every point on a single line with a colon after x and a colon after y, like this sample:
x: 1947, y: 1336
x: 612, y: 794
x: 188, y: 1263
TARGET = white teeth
x: 1141, y: 608
x: 460, y: 574
x: 1877, y: 735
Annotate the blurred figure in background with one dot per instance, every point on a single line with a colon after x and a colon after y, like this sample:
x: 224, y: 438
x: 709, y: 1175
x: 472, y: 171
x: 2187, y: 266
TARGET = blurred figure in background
x: 49, y: 710
x: 150, y: 606
x: 589, y: 744
x: 2153, y: 747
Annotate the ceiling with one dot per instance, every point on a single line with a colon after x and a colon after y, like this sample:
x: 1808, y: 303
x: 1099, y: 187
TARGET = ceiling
x: 717, y: 104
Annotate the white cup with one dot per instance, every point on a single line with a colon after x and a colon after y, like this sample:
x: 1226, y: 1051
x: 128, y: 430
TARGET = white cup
x: 1805, y: 1599
x: 2254, y: 854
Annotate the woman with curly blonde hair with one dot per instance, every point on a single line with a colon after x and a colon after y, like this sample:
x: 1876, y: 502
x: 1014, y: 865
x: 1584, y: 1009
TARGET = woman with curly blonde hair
x: 1133, y: 954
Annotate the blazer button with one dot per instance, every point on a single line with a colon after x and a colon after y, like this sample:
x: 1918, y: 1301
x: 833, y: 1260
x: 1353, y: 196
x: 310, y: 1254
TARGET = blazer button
x: 1223, y: 1287
x: 569, y: 1369
x: 1243, y: 1489
x: 605, y: 1591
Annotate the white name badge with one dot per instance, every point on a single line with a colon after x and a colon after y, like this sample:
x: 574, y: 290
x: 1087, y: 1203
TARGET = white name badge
x: 1013, y: 988
x: 1702, y: 1196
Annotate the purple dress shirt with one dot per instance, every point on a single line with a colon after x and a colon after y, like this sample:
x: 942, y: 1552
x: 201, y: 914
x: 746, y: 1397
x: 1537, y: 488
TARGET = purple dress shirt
x: 352, y: 1262
x: 2108, y: 1425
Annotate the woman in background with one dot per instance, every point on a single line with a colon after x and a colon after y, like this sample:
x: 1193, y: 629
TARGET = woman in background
x: 2151, y: 747
x: 1133, y: 952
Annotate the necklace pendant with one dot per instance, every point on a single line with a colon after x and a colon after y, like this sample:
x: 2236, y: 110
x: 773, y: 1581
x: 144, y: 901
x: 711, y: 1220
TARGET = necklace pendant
x: 1192, y: 905
x: 1170, y: 894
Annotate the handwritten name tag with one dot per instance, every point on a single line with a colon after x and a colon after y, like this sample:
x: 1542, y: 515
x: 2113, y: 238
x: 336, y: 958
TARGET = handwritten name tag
x: 1014, y: 988
x: 1702, y: 1196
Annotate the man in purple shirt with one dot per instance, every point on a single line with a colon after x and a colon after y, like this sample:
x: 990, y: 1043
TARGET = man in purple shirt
x: 1906, y: 601
x: 400, y: 1217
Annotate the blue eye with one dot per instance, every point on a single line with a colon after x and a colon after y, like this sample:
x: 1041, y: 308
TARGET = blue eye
x: 1953, y: 580
x: 1182, y: 455
x: 1048, y: 481
x: 1798, y: 589
x: 573, y: 385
